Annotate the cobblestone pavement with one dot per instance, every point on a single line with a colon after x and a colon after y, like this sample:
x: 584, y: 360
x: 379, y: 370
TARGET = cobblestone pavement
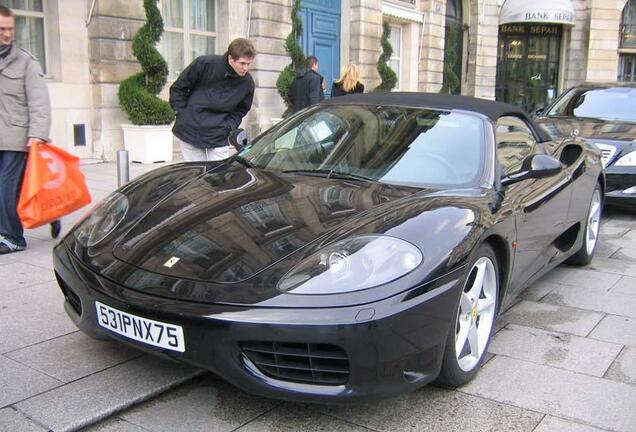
x: 563, y: 359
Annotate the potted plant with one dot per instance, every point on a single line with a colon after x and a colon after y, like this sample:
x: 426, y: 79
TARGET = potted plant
x: 149, y: 138
x: 387, y: 75
x: 295, y: 51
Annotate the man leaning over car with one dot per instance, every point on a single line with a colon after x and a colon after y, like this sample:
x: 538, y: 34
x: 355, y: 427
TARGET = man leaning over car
x: 211, y: 97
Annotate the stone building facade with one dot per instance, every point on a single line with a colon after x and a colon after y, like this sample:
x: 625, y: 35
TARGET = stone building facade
x: 524, y: 52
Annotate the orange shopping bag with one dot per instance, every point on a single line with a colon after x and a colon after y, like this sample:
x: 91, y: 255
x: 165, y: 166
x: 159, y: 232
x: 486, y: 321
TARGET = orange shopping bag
x: 53, y: 186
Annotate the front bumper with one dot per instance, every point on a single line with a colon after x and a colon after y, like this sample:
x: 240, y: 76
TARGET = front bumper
x: 621, y: 186
x: 391, y: 346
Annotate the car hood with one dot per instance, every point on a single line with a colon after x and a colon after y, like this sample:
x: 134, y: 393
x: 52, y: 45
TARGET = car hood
x: 588, y: 128
x: 229, y: 225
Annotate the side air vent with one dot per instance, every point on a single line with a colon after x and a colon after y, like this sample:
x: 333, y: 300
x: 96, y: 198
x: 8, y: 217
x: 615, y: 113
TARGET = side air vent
x: 318, y: 364
x: 607, y: 152
x: 570, y: 154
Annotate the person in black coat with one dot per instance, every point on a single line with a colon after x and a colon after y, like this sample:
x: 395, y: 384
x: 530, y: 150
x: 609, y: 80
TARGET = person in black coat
x: 306, y: 90
x: 211, y: 97
x: 349, y: 81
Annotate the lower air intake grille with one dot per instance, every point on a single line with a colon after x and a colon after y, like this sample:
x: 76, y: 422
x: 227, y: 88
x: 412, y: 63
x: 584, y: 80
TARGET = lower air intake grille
x: 70, y: 295
x: 300, y: 362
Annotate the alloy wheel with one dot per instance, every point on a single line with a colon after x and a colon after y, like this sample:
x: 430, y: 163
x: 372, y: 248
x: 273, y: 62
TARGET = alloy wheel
x: 476, y: 314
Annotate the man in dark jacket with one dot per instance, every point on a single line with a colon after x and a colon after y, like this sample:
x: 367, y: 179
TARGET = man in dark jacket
x: 211, y: 97
x: 306, y: 90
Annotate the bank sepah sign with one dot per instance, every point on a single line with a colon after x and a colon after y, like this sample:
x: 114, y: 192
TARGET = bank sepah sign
x: 538, y: 11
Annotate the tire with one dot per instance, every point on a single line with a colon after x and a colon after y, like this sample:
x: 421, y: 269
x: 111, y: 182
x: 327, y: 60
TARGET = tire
x: 592, y: 227
x: 473, y: 323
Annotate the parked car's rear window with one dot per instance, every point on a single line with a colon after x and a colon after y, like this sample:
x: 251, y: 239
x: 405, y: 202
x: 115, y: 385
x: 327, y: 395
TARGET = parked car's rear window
x: 616, y: 103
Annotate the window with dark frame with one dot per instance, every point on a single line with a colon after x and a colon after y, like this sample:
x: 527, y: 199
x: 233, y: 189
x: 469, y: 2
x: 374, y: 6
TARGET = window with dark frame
x: 628, y: 25
x: 627, y: 68
x: 528, y: 62
x: 627, y: 49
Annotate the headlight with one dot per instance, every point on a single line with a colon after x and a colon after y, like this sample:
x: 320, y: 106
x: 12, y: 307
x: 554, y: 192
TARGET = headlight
x: 352, y: 265
x: 102, y: 220
x: 628, y: 160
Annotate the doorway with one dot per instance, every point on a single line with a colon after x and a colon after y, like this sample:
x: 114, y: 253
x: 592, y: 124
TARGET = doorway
x: 321, y: 36
x: 528, y: 64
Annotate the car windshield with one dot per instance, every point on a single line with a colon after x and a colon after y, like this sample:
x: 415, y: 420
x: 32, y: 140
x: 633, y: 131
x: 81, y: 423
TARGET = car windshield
x: 617, y: 103
x: 409, y: 146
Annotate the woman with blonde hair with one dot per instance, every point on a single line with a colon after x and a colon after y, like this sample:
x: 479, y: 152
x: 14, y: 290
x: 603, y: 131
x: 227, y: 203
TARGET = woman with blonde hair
x: 349, y: 81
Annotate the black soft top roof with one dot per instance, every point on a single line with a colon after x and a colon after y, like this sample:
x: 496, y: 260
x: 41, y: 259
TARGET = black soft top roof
x: 491, y: 109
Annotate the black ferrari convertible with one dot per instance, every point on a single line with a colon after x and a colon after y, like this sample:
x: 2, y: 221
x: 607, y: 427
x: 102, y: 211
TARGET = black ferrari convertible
x: 359, y: 249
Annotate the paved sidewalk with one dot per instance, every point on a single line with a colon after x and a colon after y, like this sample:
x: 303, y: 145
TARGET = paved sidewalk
x: 52, y: 377
x: 563, y: 359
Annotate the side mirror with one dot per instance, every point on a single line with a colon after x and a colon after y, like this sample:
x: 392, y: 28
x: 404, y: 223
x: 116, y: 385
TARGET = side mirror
x: 238, y: 139
x: 539, y: 111
x: 534, y: 166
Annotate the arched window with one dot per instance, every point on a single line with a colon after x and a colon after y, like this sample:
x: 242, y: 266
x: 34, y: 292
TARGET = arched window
x: 628, y: 25
x: 627, y: 61
x: 453, y: 48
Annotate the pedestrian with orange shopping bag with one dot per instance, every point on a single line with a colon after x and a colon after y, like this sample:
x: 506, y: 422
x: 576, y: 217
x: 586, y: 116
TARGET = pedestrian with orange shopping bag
x: 25, y: 120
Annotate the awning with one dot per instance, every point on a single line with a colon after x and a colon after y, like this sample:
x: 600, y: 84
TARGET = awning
x: 401, y: 12
x: 537, y: 11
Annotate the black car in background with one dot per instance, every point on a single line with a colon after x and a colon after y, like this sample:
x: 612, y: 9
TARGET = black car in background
x: 604, y: 114
x: 361, y: 248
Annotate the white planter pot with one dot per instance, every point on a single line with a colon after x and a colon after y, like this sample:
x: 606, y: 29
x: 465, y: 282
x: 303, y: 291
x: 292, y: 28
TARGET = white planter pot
x: 148, y: 144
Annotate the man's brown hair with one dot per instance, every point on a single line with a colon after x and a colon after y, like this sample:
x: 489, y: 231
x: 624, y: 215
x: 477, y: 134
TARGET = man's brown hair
x: 241, y: 47
x: 311, y: 61
x: 6, y: 12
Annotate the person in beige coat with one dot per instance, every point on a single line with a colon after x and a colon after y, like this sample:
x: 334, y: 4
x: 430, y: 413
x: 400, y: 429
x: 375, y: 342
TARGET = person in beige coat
x: 25, y: 120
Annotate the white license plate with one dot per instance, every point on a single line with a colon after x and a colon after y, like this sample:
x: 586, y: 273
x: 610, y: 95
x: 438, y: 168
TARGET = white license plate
x: 156, y: 333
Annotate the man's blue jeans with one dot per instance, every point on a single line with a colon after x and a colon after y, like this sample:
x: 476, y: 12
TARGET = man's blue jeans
x: 12, y: 165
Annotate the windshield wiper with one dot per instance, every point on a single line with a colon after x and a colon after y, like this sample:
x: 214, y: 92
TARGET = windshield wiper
x: 350, y: 176
x: 244, y: 161
x: 330, y: 174
x: 314, y: 172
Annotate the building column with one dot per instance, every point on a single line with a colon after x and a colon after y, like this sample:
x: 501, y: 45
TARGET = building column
x: 68, y: 75
x: 364, y: 43
x: 482, y: 38
x: 602, y: 59
x: 575, y: 46
x: 110, y: 33
x: 270, y: 23
x: 431, y: 67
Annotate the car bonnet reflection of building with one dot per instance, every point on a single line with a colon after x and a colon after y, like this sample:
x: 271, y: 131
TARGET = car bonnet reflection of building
x: 435, y: 211
x: 221, y: 239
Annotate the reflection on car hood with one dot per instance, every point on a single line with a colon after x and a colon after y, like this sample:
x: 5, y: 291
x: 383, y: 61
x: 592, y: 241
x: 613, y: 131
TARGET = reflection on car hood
x: 229, y: 225
x: 588, y: 128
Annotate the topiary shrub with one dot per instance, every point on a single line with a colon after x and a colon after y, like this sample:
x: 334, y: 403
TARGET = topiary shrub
x: 138, y: 93
x: 295, y: 51
x: 387, y: 75
x: 451, y: 80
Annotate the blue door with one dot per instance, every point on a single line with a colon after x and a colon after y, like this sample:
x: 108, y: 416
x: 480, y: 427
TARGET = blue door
x: 321, y: 36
